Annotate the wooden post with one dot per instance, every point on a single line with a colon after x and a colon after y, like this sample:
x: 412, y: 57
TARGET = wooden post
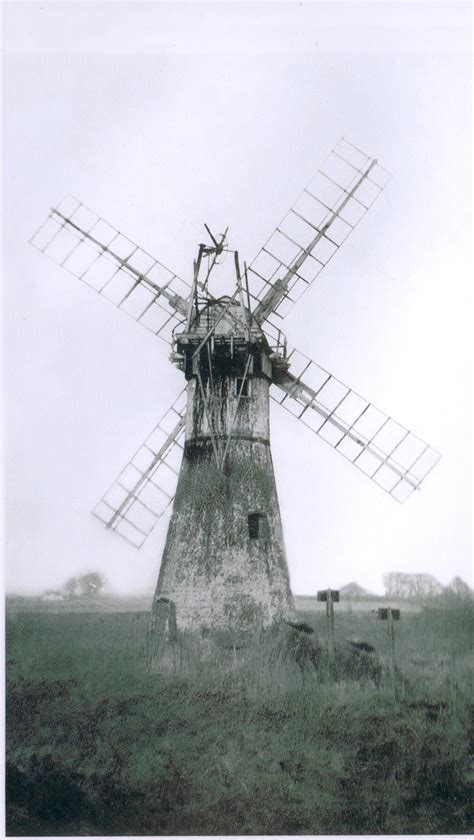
x: 391, y: 645
x: 164, y: 644
x: 330, y: 596
x: 330, y: 623
x: 390, y: 615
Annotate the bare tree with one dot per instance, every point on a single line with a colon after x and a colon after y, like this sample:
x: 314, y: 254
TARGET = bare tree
x: 406, y: 585
x: 460, y: 588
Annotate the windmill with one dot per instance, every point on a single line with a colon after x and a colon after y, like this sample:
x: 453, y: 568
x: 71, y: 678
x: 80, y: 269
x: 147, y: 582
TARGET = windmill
x: 224, y: 563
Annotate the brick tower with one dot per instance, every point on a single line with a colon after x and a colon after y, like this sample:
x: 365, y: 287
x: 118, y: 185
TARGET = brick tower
x: 224, y: 564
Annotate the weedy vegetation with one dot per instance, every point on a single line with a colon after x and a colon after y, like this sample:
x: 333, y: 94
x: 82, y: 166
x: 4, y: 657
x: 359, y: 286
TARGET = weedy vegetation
x: 275, y: 738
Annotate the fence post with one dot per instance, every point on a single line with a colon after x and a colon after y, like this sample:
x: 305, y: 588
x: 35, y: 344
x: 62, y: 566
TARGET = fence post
x: 330, y: 596
x: 330, y: 623
x: 391, y: 644
x: 390, y: 615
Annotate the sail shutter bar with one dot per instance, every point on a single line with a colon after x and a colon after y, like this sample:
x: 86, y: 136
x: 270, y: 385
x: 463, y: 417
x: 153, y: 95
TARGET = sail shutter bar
x: 115, y: 267
x: 334, y: 202
x: 146, y: 486
x: 391, y: 455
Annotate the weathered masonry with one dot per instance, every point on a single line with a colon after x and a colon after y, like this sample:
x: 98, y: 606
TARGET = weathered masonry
x: 224, y: 564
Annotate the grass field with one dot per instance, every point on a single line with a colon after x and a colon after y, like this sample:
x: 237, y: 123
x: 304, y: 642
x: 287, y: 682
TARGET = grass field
x: 270, y: 743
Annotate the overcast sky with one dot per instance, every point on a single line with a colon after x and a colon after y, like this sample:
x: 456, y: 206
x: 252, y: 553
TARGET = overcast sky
x: 161, y: 117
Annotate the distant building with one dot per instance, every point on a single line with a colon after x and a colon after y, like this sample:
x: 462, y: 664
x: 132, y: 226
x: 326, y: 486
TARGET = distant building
x: 52, y: 595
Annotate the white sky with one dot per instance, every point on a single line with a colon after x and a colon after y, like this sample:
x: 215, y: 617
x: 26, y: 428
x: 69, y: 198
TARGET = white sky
x: 161, y: 117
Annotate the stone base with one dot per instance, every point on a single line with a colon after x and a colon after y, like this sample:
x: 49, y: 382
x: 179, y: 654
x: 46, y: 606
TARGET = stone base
x: 224, y: 562
x: 186, y: 652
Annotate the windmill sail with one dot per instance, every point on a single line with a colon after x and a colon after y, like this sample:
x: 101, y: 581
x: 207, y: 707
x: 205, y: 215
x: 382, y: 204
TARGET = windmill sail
x: 393, y: 457
x: 146, y: 486
x: 98, y: 254
x: 315, y: 227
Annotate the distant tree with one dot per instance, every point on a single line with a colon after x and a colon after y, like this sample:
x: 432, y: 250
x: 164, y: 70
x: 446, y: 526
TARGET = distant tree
x: 459, y: 587
x: 395, y: 584
x: 425, y: 586
x: 406, y: 585
x: 89, y: 585
x: 71, y: 588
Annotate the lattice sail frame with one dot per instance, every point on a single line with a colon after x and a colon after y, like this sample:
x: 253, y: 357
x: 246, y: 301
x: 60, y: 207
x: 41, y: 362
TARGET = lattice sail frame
x: 323, y: 216
x: 110, y: 263
x: 387, y: 452
x: 312, y: 231
x: 146, y: 486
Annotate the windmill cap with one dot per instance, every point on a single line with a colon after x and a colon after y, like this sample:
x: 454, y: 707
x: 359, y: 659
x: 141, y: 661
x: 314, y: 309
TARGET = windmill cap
x: 234, y: 321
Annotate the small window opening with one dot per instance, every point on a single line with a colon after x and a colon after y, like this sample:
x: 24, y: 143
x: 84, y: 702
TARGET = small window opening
x: 244, y: 384
x: 256, y: 522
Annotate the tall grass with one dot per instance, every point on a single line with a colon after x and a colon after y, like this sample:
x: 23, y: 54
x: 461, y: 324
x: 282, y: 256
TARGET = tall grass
x: 268, y: 739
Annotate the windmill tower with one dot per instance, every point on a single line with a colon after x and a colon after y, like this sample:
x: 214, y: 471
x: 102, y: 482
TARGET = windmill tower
x: 224, y: 561
x: 224, y: 564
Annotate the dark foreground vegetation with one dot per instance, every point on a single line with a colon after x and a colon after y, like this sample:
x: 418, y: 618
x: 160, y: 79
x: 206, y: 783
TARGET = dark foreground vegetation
x: 269, y: 740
